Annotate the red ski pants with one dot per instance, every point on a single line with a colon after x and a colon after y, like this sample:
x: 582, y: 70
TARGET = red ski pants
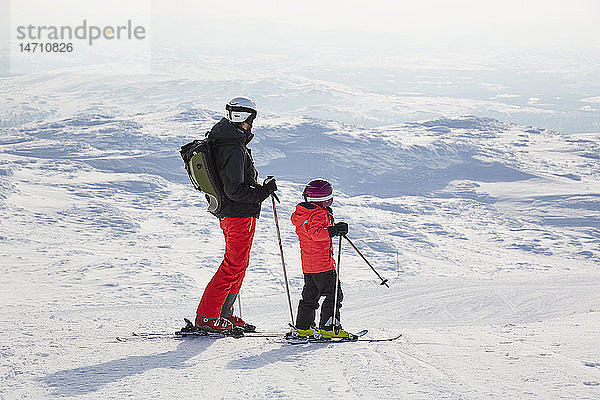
x: 238, y: 233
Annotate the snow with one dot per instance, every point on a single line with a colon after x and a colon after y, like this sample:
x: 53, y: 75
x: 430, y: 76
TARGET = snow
x: 495, y: 227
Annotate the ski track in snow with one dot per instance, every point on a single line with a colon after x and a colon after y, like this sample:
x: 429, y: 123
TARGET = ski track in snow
x: 496, y: 227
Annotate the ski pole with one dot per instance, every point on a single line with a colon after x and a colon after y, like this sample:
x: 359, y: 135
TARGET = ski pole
x: 287, y: 288
x: 337, y: 281
x: 239, y: 297
x: 383, y: 281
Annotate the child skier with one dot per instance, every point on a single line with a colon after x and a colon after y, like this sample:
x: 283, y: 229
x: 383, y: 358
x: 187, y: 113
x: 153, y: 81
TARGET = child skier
x: 315, y: 227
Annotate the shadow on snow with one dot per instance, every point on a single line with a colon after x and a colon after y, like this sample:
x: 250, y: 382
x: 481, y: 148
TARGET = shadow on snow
x: 91, y: 378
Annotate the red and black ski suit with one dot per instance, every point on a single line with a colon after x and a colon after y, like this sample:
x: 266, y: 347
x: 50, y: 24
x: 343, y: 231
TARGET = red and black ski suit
x: 237, y: 219
x: 318, y: 265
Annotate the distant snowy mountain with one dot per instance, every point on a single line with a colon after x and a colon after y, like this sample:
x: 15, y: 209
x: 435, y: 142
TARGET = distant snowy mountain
x: 447, y: 160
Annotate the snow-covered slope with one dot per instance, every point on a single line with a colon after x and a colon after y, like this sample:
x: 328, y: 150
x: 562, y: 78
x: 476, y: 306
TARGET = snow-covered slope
x: 488, y: 232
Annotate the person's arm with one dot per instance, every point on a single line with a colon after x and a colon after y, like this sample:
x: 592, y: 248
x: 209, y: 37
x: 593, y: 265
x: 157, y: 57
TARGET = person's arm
x: 232, y: 176
x: 316, y: 227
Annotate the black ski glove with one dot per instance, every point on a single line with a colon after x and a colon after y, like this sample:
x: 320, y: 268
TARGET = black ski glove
x: 268, y: 187
x: 339, y: 229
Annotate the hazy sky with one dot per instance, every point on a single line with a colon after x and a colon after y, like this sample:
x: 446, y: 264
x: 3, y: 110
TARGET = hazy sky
x: 426, y: 25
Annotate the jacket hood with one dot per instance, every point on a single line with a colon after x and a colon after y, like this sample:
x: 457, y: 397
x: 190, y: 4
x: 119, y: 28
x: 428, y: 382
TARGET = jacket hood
x: 225, y: 131
x: 303, y: 212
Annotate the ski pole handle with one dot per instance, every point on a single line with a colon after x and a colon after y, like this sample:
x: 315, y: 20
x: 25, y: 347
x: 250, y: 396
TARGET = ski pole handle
x: 273, y: 195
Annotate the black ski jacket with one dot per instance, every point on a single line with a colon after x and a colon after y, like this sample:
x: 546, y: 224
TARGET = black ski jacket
x: 233, y: 161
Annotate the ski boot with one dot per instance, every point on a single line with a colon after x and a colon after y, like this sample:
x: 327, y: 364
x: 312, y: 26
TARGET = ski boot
x: 238, y: 322
x: 217, y: 325
x: 329, y: 332
x: 305, y: 333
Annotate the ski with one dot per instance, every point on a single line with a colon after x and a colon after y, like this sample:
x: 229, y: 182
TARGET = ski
x: 190, y: 331
x: 390, y: 339
x: 292, y: 338
x: 357, y: 338
x: 181, y: 335
x: 191, y: 335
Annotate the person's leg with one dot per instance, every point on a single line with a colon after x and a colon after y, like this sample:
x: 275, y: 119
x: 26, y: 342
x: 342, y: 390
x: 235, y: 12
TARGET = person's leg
x: 244, y: 258
x: 227, y: 308
x: 326, y: 283
x: 308, y: 304
x: 239, y: 233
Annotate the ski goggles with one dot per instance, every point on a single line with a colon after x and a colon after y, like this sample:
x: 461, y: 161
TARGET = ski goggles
x: 252, y: 112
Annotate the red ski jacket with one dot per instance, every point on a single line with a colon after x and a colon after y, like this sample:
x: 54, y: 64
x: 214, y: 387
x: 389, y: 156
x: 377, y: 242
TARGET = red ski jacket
x: 316, y: 250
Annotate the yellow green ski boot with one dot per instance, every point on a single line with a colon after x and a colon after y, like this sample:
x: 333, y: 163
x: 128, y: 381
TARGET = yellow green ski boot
x: 305, y: 333
x: 335, y: 333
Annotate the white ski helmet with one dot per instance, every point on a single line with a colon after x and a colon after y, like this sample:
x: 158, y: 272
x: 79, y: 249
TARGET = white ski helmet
x: 241, y: 109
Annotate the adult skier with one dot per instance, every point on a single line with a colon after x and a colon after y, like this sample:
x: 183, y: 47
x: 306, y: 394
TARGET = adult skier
x: 244, y: 195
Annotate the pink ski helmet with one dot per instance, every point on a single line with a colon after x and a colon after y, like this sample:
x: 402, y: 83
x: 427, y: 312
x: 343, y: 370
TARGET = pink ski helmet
x: 319, y: 191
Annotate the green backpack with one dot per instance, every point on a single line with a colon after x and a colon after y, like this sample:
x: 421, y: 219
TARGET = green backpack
x: 200, y: 166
